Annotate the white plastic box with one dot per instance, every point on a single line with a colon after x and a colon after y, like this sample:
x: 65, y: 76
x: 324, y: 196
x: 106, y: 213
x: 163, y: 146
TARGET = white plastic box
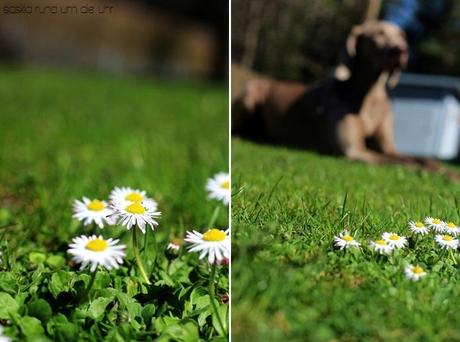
x: 427, y: 116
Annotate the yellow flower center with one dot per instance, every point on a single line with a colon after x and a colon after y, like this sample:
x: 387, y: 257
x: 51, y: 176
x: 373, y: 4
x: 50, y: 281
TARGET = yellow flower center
x: 214, y: 235
x: 436, y: 221
x: 419, y: 225
x: 348, y: 238
x: 95, y: 205
x: 417, y: 270
x: 451, y: 225
x: 447, y: 238
x: 381, y: 242
x: 97, y: 245
x: 135, y: 208
x: 134, y: 197
x: 394, y: 237
x: 225, y: 185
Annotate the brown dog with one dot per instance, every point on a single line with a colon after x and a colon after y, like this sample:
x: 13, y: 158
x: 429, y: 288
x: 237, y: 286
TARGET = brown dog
x: 340, y: 115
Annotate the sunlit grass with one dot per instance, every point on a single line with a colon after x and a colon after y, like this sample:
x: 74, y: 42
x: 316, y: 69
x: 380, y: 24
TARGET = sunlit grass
x: 288, y: 281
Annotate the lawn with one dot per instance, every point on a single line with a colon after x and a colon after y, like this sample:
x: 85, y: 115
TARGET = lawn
x: 290, y: 284
x: 65, y: 135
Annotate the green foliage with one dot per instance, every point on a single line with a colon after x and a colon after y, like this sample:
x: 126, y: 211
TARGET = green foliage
x: 302, y: 40
x: 8, y: 306
x: 32, y: 329
x: 37, y: 258
x: 289, y: 283
x: 40, y: 309
x: 68, y: 135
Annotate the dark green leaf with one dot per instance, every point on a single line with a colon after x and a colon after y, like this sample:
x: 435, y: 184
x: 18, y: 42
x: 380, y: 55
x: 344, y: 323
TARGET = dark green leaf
x: 55, y: 261
x: 40, y: 309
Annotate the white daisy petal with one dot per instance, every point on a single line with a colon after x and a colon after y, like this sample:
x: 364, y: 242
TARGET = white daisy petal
x: 435, y: 223
x: 203, y: 253
x: 96, y: 251
x: 447, y: 241
x: 136, y: 213
x: 218, y: 187
x: 345, y: 240
x: 125, y: 196
x: 381, y: 247
x: 215, y: 243
x: 418, y: 227
x: 174, y: 246
x: 218, y: 254
x: 211, y: 256
x: 414, y: 273
x: 451, y: 228
x: 89, y: 211
x: 395, y: 240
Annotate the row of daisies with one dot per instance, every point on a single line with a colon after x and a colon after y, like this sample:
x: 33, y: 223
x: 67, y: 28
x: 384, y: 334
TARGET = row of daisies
x: 446, y: 238
x: 133, y: 208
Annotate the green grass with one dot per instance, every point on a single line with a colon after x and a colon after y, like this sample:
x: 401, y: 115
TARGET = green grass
x: 64, y: 135
x: 288, y: 281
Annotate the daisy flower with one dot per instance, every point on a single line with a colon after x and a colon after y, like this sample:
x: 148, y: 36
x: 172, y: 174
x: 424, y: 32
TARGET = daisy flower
x: 381, y: 246
x: 96, y: 251
x: 136, y: 213
x: 446, y: 241
x: 3, y: 338
x: 218, y: 187
x: 395, y: 240
x: 418, y: 228
x: 174, y: 245
x: 345, y: 240
x: 436, y: 224
x: 215, y: 243
x: 126, y: 196
x: 414, y: 273
x: 94, y: 210
x: 451, y: 228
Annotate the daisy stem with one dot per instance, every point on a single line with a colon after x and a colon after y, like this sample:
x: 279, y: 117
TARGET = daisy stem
x: 85, y: 294
x: 212, y: 297
x: 154, y: 256
x: 452, y: 256
x: 137, y: 255
x: 214, y: 216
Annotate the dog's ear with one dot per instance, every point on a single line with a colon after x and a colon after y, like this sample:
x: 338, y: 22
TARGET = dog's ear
x: 342, y: 71
x: 353, y: 39
x: 393, y: 78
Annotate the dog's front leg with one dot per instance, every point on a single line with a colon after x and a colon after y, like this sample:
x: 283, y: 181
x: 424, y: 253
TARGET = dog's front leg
x: 352, y: 140
x: 385, y: 138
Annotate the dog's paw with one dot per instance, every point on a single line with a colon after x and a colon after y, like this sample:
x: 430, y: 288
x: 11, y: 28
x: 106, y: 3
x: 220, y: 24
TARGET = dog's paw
x: 429, y: 164
x: 453, y: 176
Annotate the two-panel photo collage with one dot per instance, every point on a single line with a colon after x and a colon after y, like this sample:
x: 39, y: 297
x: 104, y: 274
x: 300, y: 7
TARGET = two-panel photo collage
x: 229, y: 170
